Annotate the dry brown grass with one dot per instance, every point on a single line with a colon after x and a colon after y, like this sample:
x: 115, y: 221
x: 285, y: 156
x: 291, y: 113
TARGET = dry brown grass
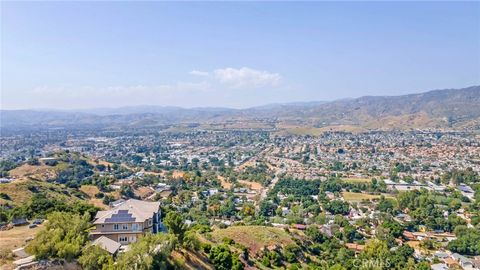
x: 15, y: 238
x: 405, y: 122
x: 144, y: 192
x: 313, y: 131
x: 237, y: 124
x: 224, y: 183
x: 17, y: 191
x: 251, y: 185
x: 94, y: 162
x: 357, y: 197
x: 413, y: 244
x: 192, y: 260
x: 357, y: 180
x: 154, y: 173
x: 248, y: 163
x: 178, y: 174
x: 254, y: 237
x: 20, y: 191
x: 91, y: 191
x: 174, y: 174
x: 40, y: 172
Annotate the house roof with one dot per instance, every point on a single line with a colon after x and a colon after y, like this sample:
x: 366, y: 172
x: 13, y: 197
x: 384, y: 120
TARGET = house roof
x: 441, y: 254
x: 462, y: 259
x: 24, y: 260
x: 439, y: 266
x: 108, y: 244
x: 129, y: 211
x: 355, y: 246
x: 300, y: 226
x: 450, y: 261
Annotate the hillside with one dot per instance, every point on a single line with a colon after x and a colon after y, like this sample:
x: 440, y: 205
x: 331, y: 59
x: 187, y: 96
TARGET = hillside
x: 451, y: 108
x: 21, y: 191
x: 254, y: 237
x: 434, y: 109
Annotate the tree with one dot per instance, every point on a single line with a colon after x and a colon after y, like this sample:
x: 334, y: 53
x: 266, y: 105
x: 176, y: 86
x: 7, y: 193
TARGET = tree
x: 267, y: 208
x: 455, y: 204
x: 248, y: 209
x: 149, y: 252
x: 376, y: 250
x: 63, y: 237
x: 314, y: 233
x: 291, y: 252
x: 337, y: 267
x: 337, y: 207
x: 385, y: 205
x: 94, y: 257
x: 175, y: 225
x: 228, y: 208
x: 223, y: 259
x: 467, y: 242
x: 191, y: 241
x: 3, y: 215
x: 394, y: 228
x: 33, y: 161
x: 127, y: 191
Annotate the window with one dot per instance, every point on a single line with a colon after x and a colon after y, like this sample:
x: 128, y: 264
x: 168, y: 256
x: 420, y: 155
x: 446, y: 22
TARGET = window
x: 149, y: 222
x: 125, y: 227
x: 122, y: 239
x: 115, y: 227
x: 103, y: 225
x: 135, y: 226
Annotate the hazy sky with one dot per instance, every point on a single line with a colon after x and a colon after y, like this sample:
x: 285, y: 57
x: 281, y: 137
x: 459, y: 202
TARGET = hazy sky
x: 109, y: 54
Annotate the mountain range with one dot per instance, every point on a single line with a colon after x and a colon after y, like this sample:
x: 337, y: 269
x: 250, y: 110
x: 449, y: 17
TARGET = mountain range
x: 437, y: 109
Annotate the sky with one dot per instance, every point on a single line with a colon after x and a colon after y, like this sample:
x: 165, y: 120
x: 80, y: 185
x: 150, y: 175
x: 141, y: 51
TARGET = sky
x: 77, y: 55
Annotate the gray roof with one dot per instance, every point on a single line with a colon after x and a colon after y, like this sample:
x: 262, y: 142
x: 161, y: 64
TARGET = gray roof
x: 465, y: 188
x: 440, y: 254
x: 462, y: 259
x: 129, y: 211
x: 439, y: 266
x: 107, y: 244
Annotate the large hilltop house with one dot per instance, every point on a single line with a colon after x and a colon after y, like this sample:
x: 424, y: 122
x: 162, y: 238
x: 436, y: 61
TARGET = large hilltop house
x: 127, y: 221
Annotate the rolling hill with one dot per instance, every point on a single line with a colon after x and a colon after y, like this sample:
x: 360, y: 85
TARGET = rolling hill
x: 450, y: 108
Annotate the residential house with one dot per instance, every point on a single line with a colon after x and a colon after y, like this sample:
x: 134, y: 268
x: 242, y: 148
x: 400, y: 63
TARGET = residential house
x: 462, y: 260
x: 355, y: 247
x: 126, y: 222
x: 466, y: 191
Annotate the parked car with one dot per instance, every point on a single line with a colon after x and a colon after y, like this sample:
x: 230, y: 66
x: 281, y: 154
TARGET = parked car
x: 19, y: 221
x: 28, y: 239
x: 38, y: 221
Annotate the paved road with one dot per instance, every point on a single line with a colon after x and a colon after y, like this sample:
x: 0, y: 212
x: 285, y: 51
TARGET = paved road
x: 271, y: 185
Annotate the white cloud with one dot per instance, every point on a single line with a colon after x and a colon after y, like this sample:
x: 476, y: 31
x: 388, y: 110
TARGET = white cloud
x: 212, y: 85
x: 246, y: 77
x: 199, y: 73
